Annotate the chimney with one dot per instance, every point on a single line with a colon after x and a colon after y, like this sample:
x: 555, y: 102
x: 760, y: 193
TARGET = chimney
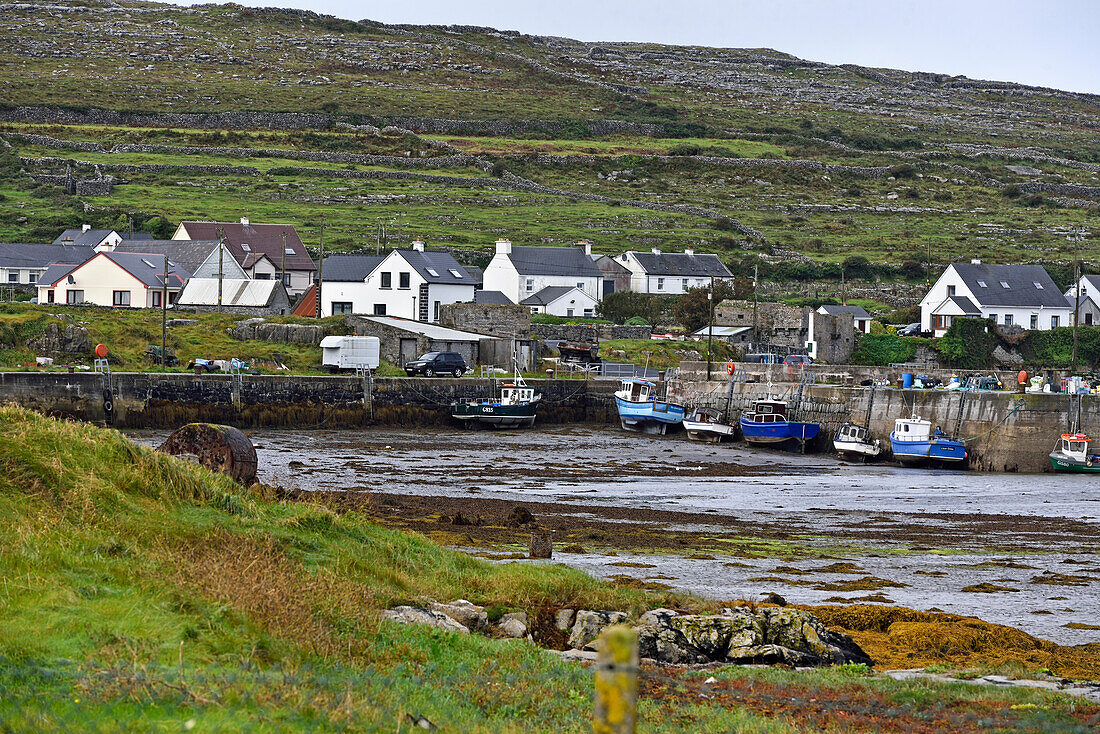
x: 586, y: 246
x: 975, y: 261
x: 689, y: 251
x: 85, y: 227
x: 656, y: 251
x: 418, y: 245
x: 244, y: 221
x: 504, y: 247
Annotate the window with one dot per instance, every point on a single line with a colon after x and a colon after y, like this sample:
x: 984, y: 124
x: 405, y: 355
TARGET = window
x: 453, y: 272
x: 660, y: 284
x: 49, y: 296
x: 13, y: 276
x: 72, y: 297
x: 1034, y: 321
x: 993, y: 317
x: 157, y: 299
x: 940, y: 322
x: 290, y: 251
x: 341, y: 307
x: 403, y: 280
x: 1038, y: 286
x: 262, y: 276
x: 172, y: 297
x: 687, y: 283
x: 33, y: 278
x: 246, y: 247
x: 1004, y: 284
x: 120, y: 298
x: 589, y: 312
x: 435, y: 310
x: 530, y: 284
x: 568, y: 312
x: 387, y: 280
x: 580, y: 286
x: 286, y: 278
x: 150, y: 264
x: 1008, y: 319
x: 981, y: 284
x: 950, y: 290
x: 1054, y: 322
x: 379, y: 309
x: 433, y: 272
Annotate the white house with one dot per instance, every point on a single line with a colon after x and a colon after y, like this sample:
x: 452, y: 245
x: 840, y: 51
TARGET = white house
x: 88, y: 237
x: 124, y: 280
x: 672, y: 273
x: 1007, y: 294
x: 410, y: 284
x: 860, y: 317
x: 23, y: 264
x: 561, y: 300
x: 201, y: 258
x: 520, y: 272
x: 1089, y: 315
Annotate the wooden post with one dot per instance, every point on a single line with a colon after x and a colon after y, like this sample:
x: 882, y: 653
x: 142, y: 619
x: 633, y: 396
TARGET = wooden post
x: 616, y: 705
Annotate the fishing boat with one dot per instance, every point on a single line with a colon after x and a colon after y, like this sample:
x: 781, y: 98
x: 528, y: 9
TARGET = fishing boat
x: 855, y: 440
x: 641, y: 411
x: 767, y: 423
x: 913, y: 441
x: 707, y: 425
x: 515, y: 408
x: 1072, y: 455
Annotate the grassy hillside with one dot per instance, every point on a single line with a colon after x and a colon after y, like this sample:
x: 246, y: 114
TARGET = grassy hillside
x: 142, y: 593
x: 759, y: 154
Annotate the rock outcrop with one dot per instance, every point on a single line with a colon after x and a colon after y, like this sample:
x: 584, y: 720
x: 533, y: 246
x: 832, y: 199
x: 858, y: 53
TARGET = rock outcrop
x: 58, y: 339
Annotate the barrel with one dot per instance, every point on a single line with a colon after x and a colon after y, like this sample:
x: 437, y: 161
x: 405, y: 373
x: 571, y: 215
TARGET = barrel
x: 907, y: 379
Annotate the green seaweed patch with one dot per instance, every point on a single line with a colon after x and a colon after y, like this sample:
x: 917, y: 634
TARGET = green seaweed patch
x: 1061, y: 579
x: 841, y: 567
x: 1081, y: 626
x: 986, y: 588
x: 867, y: 583
x: 790, y: 570
x: 633, y: 564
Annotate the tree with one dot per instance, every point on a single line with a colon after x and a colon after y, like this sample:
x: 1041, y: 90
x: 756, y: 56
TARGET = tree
x: 624, y: 305
x: 692, y: 309
x: 857, y: 266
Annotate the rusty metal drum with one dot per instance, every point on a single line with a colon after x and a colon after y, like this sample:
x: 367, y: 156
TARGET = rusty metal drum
x: 219, y: 448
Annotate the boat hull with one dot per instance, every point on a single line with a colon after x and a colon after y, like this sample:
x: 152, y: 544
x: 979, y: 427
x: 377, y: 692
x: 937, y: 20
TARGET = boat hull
x: 650, y: 416
x: 857, y: 448
x: 495, y: 415
x: 1062, y: 463
x: 943, y: 451
x: 708, y: 432
x: 778, y: 431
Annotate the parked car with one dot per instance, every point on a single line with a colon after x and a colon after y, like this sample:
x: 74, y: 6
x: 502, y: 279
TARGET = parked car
x: 762, y: 358
x: 798, y: 359
x: 910, y: 330
x: 437, y: 363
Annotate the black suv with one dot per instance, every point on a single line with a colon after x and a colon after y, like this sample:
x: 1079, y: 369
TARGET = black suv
x: 437, y: 363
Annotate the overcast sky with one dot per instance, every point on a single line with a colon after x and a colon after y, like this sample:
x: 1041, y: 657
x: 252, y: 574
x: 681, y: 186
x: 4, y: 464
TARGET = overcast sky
x: 1052, y: 43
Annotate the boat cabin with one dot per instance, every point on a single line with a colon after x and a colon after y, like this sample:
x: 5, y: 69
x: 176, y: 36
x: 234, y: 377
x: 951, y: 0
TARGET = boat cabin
x: 768, y: 411
x: 913, y: 429
x: 706, y: 415
x: 852, y: 433
x: 637, y: 391
x: 1075, y: 445
x: 516, y: 394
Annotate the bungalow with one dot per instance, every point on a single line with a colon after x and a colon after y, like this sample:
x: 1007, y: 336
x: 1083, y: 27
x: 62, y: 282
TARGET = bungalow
x: 1089, y: 313
x: 198, y: 257
x: 561, y: 300
x: 1023, y: 295
x: 120, y: 279
x: 410, y: 284
x: 22, y: 264
x: 520, y: 272
x: 88, y: 237
x: 861, y: 318
x: 672, y: 272
x: 259, y: 249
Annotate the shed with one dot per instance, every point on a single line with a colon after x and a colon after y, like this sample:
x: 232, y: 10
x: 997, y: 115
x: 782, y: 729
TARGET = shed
x: 252, y: 297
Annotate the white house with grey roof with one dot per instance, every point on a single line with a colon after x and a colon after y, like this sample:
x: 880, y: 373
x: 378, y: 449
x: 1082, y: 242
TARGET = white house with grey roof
x: 521, y: 272
x: 672, y: 273
x: 561, y: 300
x: 1024, y: 295
x: 201, y: 258
x: 86, y: 236
x: 1089, y: 313
x: 119, y: 279
x: 411, y: 284
x: 24, y: 264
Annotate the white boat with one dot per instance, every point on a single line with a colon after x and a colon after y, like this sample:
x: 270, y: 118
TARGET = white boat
x: 706, y: 425
x: 914, y: 441
x: 853, y: 440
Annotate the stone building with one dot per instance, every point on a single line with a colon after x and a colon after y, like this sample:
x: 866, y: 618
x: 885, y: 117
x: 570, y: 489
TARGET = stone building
x: 503, y: 320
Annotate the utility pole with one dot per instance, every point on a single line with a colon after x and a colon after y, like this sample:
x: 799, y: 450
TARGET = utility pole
x: 710, y: 324
x: 843, y: 293
x: 164, y: 315
x: 221, y: 270
x: 321, y: 271
x: 755, y: 303
x: 1077, y: 290
x: 282, y: 266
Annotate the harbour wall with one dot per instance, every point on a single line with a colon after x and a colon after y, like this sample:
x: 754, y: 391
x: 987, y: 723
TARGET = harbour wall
x: 168, y: 400
x: 1003, y: 431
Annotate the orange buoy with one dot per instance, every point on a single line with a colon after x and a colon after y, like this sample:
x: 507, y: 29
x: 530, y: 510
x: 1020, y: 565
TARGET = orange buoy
x: 101, y: 350
x: 730, y: 367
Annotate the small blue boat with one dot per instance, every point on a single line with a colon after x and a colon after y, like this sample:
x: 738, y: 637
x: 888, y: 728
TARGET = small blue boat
x: 641, y: 411
x: 913, y: 441
x: 767, y: 423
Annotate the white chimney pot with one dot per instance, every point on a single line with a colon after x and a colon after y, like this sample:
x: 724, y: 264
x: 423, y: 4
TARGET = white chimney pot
x: 976, y: 261
x: 244, y: 220
x: 689, y: 251
x: 85, y: 227
x: 587, y: 246
x: 418, y: 245
x: 504, y: 247
x: 656, y: 251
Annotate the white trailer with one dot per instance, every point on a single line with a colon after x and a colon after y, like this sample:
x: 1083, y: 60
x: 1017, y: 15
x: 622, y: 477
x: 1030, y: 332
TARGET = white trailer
x: 350, y: 352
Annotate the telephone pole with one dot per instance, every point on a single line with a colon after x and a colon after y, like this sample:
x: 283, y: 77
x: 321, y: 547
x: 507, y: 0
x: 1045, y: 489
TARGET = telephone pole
x: 164, y: 315
x: 755, y: 303
x: 710, y: 324
x: 221, y: 270
x: 282, y: 266
x: 1077, y: 291
x: 321, y: 271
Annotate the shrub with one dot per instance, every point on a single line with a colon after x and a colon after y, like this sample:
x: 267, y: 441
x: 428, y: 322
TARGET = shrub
x: 903, y: 170
x: 685, y: 149
x: 884, y: 349
x: 497, y: 170
x: 1012, y: 191
x: 723, y: 224
x: 968, y: 344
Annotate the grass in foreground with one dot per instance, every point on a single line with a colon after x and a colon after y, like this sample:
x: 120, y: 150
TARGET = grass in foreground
x: 139, y: 592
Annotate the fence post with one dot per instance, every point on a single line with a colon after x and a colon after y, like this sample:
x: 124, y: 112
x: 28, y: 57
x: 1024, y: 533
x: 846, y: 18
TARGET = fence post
x: 616, y: 704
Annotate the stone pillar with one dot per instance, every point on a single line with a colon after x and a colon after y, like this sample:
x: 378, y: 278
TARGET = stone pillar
x: 541, y: 544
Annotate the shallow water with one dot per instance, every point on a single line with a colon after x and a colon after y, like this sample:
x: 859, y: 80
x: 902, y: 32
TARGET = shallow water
x: 933, y: 531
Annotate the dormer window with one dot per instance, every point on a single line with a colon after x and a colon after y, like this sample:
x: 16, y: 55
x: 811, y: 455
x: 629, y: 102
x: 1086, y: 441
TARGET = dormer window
x: 981, y: 284
x: 1004, y: 284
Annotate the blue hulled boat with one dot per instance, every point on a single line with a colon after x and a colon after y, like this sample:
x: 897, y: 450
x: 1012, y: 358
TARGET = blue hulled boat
x: 767, y: 423
x: 913, y: 441
x: 640, y: 410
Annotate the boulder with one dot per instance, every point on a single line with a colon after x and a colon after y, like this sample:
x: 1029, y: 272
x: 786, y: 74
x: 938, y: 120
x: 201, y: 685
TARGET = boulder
x: 468, y: 614
x: 589, y: 625
x: 58, y: 339
x: 416, y: 615
x: 513, y: 625
x: 564, y: 618
x: 796, y: 629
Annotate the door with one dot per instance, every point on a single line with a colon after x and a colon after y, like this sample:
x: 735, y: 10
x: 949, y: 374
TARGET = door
x: 408, y: 351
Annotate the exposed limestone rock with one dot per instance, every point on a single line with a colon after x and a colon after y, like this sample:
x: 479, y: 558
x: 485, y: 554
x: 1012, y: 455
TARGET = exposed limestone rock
x: 279, y: 333
x: 57, y: 339
x: 468, y: 614
x: 413, y: 615
x: 589, y: 624
x: 564, y: 618
x: 513, y: 625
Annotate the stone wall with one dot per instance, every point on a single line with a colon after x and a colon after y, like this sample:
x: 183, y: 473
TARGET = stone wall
x: 503, y: 320
x: 835, y: 337
x: 590, y: 332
